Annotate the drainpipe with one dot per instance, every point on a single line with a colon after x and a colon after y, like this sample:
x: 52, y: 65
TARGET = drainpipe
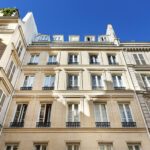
x: 134, y: 90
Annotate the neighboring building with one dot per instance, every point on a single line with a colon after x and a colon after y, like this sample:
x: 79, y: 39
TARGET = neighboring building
x: 14, y: 38
x: 76, y: 95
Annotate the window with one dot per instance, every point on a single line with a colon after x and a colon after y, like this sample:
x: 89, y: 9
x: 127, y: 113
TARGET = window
x: 34, y: 59
x: 133, y: 146
x: 101, y: 115
x: 19, y: 48
x: 96, y: 82
x: 73, y: 146
x: 94, y: 59
x: 2, y: 98
x: 112, y: 59
x: 117, y: 82
x: 139, y: 59
x: 146, y: 80
x: 11, y: 70
x: 19, y: 116
x: 126, y: 116
x: 11, y: 146
x: 44, y: 117
x: 28, y: 82
x: 105, y: 146
x: 73, y: 115
x: 49, y: 82
x: 52, y: 59
x: 73, y: 59
x: 73, y: 82
x: 40, y: 147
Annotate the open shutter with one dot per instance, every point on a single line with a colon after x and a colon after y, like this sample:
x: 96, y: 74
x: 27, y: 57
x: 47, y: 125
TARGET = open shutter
x: 140, y: 81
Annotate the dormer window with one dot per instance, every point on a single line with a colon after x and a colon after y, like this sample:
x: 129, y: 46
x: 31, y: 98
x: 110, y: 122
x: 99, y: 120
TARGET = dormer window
x: 74, y: 38
x: 58, y: 38
x: 89, y: 38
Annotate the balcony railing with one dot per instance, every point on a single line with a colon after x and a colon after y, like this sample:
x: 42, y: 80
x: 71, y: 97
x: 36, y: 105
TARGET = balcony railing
x: 97, y: 87
x: 119, y: 88
x: 32, y: 63
x: 48, y: 88
x: 94, y: 63
x: 26, y: 88
x: 43, y: 124
x: 73, y: 124
x: 72, y: 63
x: 52, y: 63
x: 73, y: 88
x: 102, y: 124
x: 128, y: 124
x: 17, y: 124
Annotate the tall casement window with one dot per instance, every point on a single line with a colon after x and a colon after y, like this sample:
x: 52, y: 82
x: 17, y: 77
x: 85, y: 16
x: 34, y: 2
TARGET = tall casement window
x: 118, y: 82
x: 19, y: 116
x: 146, y: 79
x: 94, y: 59
x: 11, y: 146
x: 105, y: 146
x: 134, y: 147
x: 73, y: 146
x: 40, y: 146
x: 49, y: 82
x: 96, y: 81
x: 126, y: 115
x: 34, y: 59
x: 52, y: 59
x: 73, y: 82
x: 44, y: 117
x: 139, y: 59
x: 112, y: 59
x: 28, y: 82
x: 11, y: 70
x: 101, y: 119
x: 19, y: 48
x: 73, y: 59
x: 2, y: 98
x: 73, y: 116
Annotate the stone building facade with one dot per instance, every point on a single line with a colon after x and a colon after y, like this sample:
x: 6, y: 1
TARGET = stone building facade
x: 78, y: 95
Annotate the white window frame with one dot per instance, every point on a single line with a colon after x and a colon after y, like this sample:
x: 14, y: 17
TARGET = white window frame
x: 101, y: 119
x: 48, y: 81
x: 12, y: 146
x: 73, y: 80
x: 105, y: 146
x: 97, y: 81
x: 34, y: 58
x: 117, y: 80
x: 112, y: 59
x: 133, y: 146
x: 125, y: 112
x: 73, y: 59
x: 11, y: 69
x: 73, y: 113
x: 30, y: 81
x: 93, y: 58
x: 53, y: 58
x: 41, y: 144
x: 73, y: 146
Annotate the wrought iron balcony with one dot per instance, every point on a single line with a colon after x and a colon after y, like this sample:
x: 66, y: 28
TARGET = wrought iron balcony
x: 48, y: 88
x: 26, y: 88
x: 102, y: 124
x: 94, y: 63
x: 73, y: 124
x: 97, y: 87
x: 17, y: 124
x: 52, y: 63
x: 73, y: 63
x: 43, y: 124
x: 119, y: 88
x: 32, y: 63
x: 73, y: 88
x: 128, y: 124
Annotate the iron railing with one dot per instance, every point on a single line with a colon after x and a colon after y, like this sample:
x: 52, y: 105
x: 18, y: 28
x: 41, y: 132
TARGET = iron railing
x: 102, y: 124
x: 48, y: 88
x: 43, y: 124
x: 17, y: 124
x: 26, y: 88
x: 128, y: 124
x: 73, y: 124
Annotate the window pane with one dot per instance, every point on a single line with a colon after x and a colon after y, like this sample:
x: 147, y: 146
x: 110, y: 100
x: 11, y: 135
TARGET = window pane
x: 123, y: 117
x: 129, y: 115
x: 97, y: 113
x: 104, y: 114
x: 142, y: 59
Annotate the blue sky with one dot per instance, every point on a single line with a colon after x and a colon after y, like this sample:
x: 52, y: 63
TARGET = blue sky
x: 130, y: 18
